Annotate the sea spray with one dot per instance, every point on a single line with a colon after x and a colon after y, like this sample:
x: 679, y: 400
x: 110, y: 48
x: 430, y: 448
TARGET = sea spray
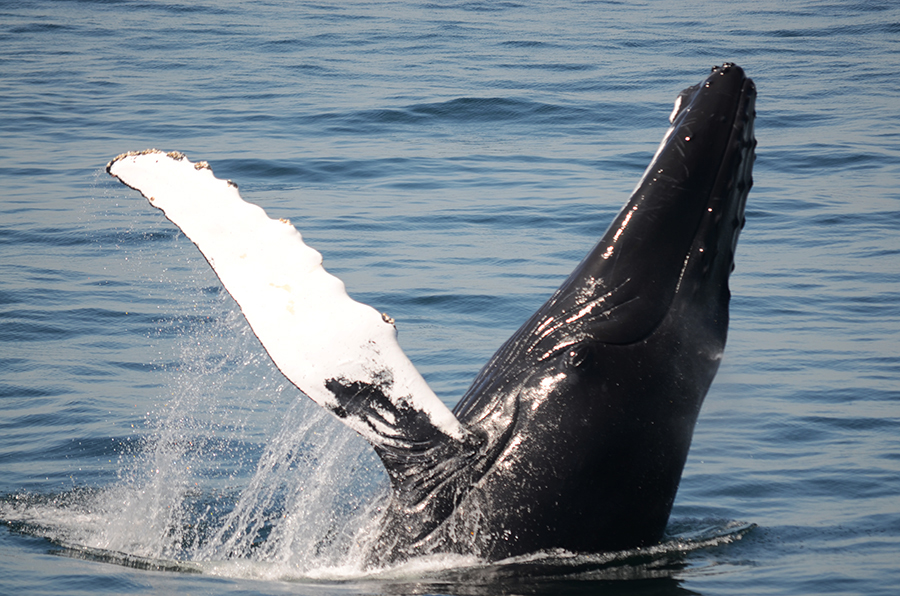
x: 308, y: 500
x: 193, y: 494
x: 153, y: 511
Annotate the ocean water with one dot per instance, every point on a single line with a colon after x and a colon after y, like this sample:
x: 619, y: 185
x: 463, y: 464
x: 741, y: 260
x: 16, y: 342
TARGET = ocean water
x: 452, y: 161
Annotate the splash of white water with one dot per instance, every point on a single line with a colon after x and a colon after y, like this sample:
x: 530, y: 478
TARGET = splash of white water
x: 308, y: 497
x: 238, y: 466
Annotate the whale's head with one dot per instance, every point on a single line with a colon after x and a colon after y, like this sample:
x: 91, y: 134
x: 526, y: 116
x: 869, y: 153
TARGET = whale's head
x: 596, y: 396
x: 674, y: 241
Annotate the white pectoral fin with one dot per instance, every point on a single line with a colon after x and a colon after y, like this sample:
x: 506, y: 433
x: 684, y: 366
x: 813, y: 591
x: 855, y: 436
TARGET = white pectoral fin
x: 341, y: 353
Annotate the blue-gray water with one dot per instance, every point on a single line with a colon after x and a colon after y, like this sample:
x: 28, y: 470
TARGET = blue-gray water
x: 452, y: 161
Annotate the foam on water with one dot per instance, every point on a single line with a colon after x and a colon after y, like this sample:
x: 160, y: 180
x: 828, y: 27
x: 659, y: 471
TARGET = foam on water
x: 56, y: 522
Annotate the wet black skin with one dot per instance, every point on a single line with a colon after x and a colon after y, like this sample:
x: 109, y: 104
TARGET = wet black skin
x: 580, y: 424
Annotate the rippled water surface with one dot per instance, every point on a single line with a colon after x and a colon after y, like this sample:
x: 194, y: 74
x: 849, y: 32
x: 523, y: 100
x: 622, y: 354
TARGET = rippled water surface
x: 453, y: 161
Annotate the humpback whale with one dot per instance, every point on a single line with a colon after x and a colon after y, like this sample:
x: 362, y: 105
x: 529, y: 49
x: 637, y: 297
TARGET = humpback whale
x: 574, y: 435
